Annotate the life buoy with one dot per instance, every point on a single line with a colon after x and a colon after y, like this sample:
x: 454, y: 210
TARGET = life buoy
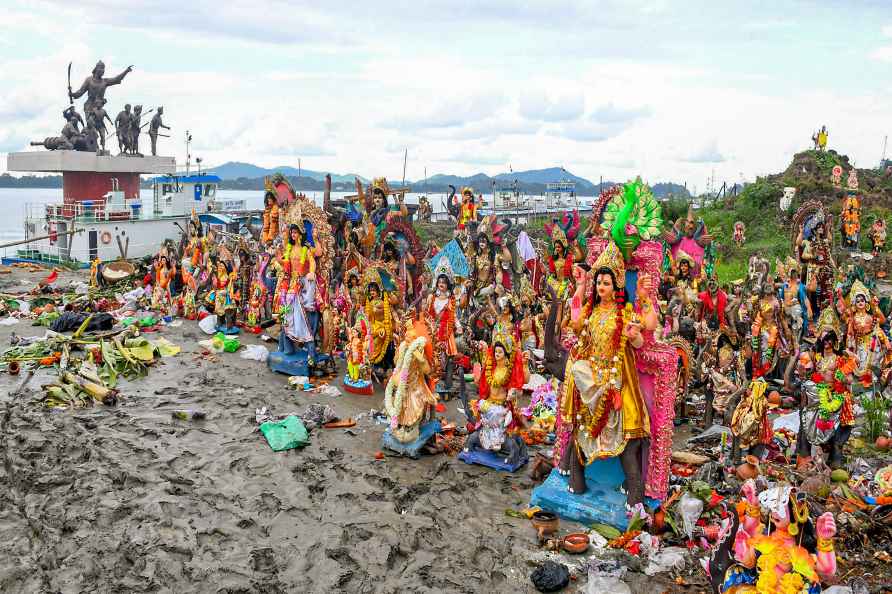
x: 105, y: 237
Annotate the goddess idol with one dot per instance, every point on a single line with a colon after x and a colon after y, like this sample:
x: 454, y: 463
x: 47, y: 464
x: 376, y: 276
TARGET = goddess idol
x: 616, y: 406
x: 602, y: 396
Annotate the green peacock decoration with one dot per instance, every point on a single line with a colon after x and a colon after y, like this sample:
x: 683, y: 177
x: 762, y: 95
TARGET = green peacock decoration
x: 633, y: 216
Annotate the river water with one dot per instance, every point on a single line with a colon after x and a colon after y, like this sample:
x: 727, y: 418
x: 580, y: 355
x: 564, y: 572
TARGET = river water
x: 13, y: 203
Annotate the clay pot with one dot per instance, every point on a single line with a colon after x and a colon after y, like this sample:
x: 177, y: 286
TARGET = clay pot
x: 659, y: 523
x: 575, y: 543
x: 13, y: 368
x: 774, y: 398
x: 545, y: 523
x: 882, y: 443
x: 749, y: 469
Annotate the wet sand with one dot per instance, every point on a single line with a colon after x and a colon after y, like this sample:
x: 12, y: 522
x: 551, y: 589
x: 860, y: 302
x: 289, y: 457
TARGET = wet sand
x: 128, y: 499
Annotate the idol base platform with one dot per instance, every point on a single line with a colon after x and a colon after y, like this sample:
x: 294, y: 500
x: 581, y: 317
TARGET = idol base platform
x: 413, y: 448
x: 603, y: 501
x: 491, y: 459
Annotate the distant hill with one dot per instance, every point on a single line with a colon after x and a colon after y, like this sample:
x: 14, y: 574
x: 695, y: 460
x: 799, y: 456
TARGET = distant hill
x: 234, y: 170
x: 30, y: 181
x: 665, y: 189
x: 546, y: 176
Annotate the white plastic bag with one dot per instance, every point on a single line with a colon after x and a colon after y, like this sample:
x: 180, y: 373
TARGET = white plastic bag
x: 668, y: 558
x: 599, y: 584
x: 9, y: 321
x: 255, y: 352
x: 209, y: 324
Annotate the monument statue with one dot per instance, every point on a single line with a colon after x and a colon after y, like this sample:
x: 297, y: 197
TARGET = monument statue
x: 122, y: 128
x: 133, y: 131
x: 97, y: 118
x: 154, y: 126
x: 94, y: 85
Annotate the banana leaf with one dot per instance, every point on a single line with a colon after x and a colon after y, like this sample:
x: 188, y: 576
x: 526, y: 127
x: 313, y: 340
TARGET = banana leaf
x: 141, y: 349
x: 164, y: 347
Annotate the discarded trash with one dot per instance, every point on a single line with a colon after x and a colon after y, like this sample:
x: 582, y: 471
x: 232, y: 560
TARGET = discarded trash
x: 9, y: 321
x: 690, y: 508
x: 255, y: 352
x: 287, y: 434
x: 665, y: 560
x: 209, y: 324
x: 317, y: 415
x: 605, y: 576
x: 550, y: 577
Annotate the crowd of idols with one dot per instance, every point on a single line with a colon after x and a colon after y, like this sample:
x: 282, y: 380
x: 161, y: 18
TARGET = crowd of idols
x: 618, y: 316
x: 89, y: 132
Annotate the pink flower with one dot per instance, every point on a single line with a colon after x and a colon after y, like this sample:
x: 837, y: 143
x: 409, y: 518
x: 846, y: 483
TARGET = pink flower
x: 631, y: 229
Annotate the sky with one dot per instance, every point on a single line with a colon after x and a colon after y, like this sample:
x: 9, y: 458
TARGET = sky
x: 685, y: 91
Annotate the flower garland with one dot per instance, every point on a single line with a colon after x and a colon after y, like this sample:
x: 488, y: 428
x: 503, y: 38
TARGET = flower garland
x: 380, y: 349
x: 399, y: 380
x: 614, y: 391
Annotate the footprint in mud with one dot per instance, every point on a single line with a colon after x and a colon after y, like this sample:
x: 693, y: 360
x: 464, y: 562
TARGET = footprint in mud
x: 268, y: 504
x: 350, y: 569
x: 406, y: 499
x: 264, y: 560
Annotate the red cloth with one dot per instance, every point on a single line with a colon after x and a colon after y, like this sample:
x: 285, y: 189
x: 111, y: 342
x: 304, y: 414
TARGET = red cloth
x: 709, y: 306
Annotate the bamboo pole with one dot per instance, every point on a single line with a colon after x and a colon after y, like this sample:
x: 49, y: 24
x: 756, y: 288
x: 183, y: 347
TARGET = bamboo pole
x: 22, y: 241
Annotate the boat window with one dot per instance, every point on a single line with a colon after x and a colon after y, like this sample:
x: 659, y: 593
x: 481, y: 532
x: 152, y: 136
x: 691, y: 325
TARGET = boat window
x: 209, y: 190
x: 165, y: 189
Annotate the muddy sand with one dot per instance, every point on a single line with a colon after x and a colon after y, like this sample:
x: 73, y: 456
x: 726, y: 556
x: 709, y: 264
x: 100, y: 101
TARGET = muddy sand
x: 129, y: 499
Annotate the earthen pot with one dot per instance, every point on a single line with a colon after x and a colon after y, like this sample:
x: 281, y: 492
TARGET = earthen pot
x: 659, y: 523
x: 882, y: 443
x: 774, y: 398
x: 575, y: 543
x: 13, y: 368
x: 545, y: 523
x: 749, y: 469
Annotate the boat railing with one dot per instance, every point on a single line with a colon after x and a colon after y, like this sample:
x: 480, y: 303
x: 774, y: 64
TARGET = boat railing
x: 85, y: 211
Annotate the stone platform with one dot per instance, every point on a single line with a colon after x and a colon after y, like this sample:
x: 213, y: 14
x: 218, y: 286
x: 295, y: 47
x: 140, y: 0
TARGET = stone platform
x: 62, y: 161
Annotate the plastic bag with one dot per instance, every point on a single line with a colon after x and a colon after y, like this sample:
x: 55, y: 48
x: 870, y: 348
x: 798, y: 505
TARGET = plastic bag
x: 599, y: 584
x: 230, y: 345
x: 669, y: 558
x: 287, y: 434
x: 256, y: 352
x: 9, y: 321
x: 690, y: 507
x: 209, y: 324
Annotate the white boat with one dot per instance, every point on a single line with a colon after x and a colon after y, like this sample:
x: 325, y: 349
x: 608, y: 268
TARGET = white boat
x: 102, y: 215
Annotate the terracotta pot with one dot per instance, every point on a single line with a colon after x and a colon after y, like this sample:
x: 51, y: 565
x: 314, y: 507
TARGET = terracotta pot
x: 774, y: 398
x: 13, y: 368
x: 882, y: 443
x: 749, y: 469
x: 659, y: 523
x: 575, y: 543
x: 545, y: 523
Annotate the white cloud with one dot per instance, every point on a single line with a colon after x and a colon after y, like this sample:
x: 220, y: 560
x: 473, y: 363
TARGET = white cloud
x: 708, y: 153
x: 883, y: 54
x: 537, y: 105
